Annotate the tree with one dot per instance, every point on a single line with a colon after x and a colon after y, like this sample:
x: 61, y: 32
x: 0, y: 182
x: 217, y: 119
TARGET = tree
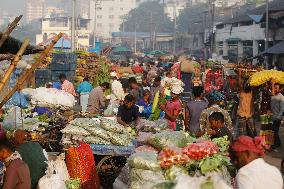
x: 191, y: 17
x: 148, y: 17
x: 23, y: 31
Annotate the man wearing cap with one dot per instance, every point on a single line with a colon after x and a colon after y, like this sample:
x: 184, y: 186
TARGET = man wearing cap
x: 254, y: 172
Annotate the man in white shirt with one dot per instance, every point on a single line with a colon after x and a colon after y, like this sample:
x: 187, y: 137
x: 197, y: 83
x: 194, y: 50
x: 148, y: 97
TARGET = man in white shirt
x: 254, y: 172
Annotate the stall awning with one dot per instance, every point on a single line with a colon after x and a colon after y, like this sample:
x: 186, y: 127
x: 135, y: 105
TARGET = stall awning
x: 233, y: 39
x: 276, y: 49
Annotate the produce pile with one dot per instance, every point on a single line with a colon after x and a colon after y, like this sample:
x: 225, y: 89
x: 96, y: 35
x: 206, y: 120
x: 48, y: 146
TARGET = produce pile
x: 50, y: 97
x: 179, y: 156
x: 264, y: 76
x: 96, y: 131
x: 96, y: 68
x: 213, y: 80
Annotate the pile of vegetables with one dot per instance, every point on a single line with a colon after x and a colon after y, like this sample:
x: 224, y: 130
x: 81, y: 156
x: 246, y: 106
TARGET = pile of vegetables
x: 101, y: 131
x: 197, y: 151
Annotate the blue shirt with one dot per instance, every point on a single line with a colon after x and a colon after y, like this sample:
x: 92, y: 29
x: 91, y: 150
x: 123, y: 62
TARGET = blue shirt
x: 56, y: 85
x: 84, y: 87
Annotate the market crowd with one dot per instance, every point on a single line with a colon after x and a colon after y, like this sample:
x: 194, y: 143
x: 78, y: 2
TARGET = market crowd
x: 162, y: 93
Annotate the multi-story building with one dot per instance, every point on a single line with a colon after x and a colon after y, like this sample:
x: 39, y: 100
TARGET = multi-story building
x: 108, y: 16
x: 34, y: 10
x: 53, y: 25
x: 174, y: 8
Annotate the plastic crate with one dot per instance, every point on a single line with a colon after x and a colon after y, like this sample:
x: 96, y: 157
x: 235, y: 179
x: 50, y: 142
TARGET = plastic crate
x: 69, y: 74
x: 64, y: 62
x: 42, y: 73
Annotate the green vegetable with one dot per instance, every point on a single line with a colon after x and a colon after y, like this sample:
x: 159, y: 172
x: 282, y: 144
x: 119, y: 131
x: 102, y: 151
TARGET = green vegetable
x: 208, y: 184
x: 174, y: 171
x: 73, y: 184
x: 223, y: 143
x: 165, y: 185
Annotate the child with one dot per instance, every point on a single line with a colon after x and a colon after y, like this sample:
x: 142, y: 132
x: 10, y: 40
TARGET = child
x: 128, y: 113
x: 218, y: 128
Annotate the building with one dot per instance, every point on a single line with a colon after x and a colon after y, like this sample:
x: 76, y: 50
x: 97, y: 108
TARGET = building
x: 244, y: 36
x: 108, y: 16
x: 34, y: 10
x: 53, y: 10
x: 173, y: 9
x: 53, y: 25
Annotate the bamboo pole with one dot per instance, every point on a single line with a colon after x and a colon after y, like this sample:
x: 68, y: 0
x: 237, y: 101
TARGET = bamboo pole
x: 14, y: 63
x: 9, y: 29
x: 28, y: 72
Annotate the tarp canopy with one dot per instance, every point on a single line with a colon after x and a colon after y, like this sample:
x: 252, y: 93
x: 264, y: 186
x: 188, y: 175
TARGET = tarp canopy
x: 276, y: 49
x: 155, y: 52
x: 121, y: 49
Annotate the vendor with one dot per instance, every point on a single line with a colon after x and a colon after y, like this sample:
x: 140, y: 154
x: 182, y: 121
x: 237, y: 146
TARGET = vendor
x: 97, y: 100
x: 134, y: 89
x: 218, y: 128
x: 84, y: 90
x: 173, y: 107
x: 254, y: 172
x: 145, y: 103
x: 17, y: 174
x: 66, y: 85
x: 214, y: 98
x: 128, y: 113
x: 32, y: 154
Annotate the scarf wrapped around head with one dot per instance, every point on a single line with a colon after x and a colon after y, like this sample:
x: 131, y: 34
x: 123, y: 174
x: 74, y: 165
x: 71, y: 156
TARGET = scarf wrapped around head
x: 215, y: 96
x: 246, y: 143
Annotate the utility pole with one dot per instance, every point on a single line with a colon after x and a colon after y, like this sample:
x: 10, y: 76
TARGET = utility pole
x: 175, y: 25
x: 135, y: 35
x: 212, y: 8
x: 266, y: 32
x: 73, y: 28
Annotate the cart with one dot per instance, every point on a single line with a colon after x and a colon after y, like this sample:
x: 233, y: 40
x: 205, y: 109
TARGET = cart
x: 111, y: 159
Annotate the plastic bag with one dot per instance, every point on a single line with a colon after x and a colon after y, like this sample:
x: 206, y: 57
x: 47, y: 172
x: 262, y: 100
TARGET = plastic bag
x: 96, y: 140
x: 112, y: 125
x: 73, y: 130
x: 13, y: 119
x: 99, y: 132
x: 144, y: 160
x: 18, y: 99
x: 175, y: 171
x: 123, y: 139
x: 118, y: 184
x: 53, y: 181
x: 146, y: 148
x: 52, y: 97
x: 165, y: 185
x: 124, y: 174
x: 170, y: 138
x: 145, y: 179
x: 81, y: 164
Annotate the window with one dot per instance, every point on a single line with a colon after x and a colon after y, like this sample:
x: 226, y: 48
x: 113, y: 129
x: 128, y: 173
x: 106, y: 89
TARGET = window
x: 111, y: 16
x: 99, y: 25
x: 121, y: 9
x: 247, y: 23
x: 235, y: 24
x: 59, y: 22
x: 100, y: 16
x: 111, y: 8
x: 220, y: 26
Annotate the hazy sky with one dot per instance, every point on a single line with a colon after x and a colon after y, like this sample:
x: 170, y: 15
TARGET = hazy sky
x: 12, y: 6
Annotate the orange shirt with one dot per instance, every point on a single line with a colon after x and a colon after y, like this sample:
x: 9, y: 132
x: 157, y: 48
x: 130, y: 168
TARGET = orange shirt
x: 245, y: 105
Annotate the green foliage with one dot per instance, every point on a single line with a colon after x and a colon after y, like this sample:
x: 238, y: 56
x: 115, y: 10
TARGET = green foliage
x: 191, y: 18
x: 149, y: 16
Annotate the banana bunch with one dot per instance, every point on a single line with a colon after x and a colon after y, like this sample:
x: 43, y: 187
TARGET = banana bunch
x: 104, y: 72
x: 264, y: 76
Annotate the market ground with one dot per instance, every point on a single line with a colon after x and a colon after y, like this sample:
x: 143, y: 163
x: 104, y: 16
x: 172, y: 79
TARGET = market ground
x: 275, y: 157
